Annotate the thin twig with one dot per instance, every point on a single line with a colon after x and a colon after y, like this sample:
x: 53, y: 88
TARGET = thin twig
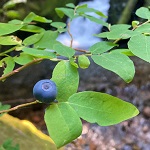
x: 142, y: 24
x: 19, y: 106
x: 20, y: 68
x: 71, y: 42
x: 117, y: 40
x: 81, y: 50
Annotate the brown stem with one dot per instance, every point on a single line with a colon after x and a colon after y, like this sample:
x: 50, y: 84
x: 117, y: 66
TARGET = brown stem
x: 81, y: 50
x: 20, y: 68
x: 117, y: 40
x: 71, y: 42
x: 17, y: 107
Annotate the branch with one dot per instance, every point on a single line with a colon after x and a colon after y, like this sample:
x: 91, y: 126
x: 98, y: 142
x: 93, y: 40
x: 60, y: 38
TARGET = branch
x: 71, y: 42
x: 20, y: 68
x: 17, y: 107
x: 142, y: 24
x: 82, y: 50
x: 117, y: 40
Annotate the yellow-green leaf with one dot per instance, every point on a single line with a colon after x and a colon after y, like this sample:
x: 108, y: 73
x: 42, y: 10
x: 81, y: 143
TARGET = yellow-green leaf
x: 101, y: 108
x: 63, y: 123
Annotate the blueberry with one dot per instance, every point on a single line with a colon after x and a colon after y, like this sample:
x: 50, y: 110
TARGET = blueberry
x: 45, y: 91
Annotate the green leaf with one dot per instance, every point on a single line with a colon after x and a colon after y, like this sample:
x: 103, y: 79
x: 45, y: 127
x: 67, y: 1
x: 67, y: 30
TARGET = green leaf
x: 47, y: 40
x: 127, y: 52
x: 120, y: 27
x: 140, y: 46
x: 3, y: 107
x: 84, y: 10
x: 73, y: 62
x: 33, y: 39
x: 117, y: 63
x: 10, y: 40
x: 65, y: 11
x: 144, y: 28
x: 71, y: 5
x: 117, y: 32
x: 39, y: 53
x: 33, y: 17
x: 63, y: 123
x: 83, y: 61
x: 8, y: 64
x: 101, y: 47
x: 58, y: 25
x: 64, y: 50
x: 97, y: 20
x: 13, y: 14
x: 15, y: 21
x: 23, y: 59
x: 32, y: 28
x: 65, y: 75
x: 9, y: 5
x: 6, y: 28
x: 143, y: 12
x: 101, y: 108
x: 81, y: 6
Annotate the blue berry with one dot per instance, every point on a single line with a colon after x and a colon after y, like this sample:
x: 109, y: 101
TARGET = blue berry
x: 45, y: 91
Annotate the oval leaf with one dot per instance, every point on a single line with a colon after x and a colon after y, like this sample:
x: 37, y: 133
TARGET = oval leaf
x: 117, y: 63
x: 32, y: 28
x: 64, y: 50
x: 66, y: 78
x: 33, y: 39
x: 140, y: 46
x: 65, y: 11
x: 71, y: 5
x: 101, y: 47
x: 63, y: 123
x: 118, y: 31
x: 58, y: 25
x: 3, y: 107
x: 143, y: 12
x: 10, y: 40
x: 101, y: 108
x: 39, y: 53
x: 96, y: 20
x: 23, y: 59
x: 8, y: 64
x: 47, y: 40
x: 144, y: 28
x: 33, y: 17
x: 6, y: 28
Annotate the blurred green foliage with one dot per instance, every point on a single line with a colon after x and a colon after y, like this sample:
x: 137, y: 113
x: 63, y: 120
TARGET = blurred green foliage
x: 12, y: 9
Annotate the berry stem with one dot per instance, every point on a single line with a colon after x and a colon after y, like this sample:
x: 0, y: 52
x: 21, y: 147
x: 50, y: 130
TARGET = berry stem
x: 19, y: 106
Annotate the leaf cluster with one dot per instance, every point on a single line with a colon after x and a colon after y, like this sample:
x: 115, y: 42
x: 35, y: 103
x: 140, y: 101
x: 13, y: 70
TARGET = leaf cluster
x: 63, y: 119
